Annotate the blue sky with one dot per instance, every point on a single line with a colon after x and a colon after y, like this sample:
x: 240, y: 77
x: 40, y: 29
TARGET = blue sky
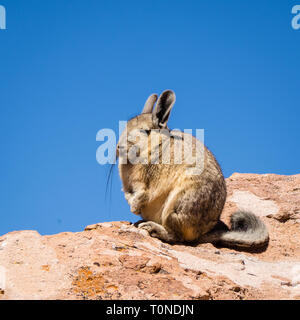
x: 70, y: 68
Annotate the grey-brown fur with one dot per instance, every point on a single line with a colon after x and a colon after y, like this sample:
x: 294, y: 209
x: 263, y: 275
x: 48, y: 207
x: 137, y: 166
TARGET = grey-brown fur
x: 176, y: 206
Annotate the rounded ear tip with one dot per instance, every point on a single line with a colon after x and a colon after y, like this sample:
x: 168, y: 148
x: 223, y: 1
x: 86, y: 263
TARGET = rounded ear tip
x: 169, y: 92
x: 150, y: 103
x: 153, y: 96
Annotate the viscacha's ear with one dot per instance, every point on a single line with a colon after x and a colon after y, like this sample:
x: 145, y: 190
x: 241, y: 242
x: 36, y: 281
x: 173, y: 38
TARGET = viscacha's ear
x: 149, y: 104
x: 161, y: 112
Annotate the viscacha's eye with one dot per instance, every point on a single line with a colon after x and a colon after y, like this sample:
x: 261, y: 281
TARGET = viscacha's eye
x: 147, y: 131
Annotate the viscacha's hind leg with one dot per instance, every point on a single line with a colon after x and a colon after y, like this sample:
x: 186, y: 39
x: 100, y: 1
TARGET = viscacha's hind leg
x: 158, y: 231
x: 189, y: 215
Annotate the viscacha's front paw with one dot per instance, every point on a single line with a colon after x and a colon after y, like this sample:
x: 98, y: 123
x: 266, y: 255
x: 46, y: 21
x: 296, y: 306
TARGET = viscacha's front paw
x: 136, y: 202
x: 135, y: 209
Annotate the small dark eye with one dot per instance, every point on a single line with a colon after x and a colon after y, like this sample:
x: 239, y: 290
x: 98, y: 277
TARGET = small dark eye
x: 147, y: 131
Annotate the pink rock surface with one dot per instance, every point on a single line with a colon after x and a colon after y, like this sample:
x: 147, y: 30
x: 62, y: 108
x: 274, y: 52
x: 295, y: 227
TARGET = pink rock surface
x: 117, y: 261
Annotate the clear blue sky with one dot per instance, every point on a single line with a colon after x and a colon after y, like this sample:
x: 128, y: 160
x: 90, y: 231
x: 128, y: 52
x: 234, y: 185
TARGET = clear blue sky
x: 69, y: 68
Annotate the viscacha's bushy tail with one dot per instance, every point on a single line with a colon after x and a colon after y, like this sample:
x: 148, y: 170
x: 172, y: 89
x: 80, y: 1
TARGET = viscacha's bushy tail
x: 247, y: 230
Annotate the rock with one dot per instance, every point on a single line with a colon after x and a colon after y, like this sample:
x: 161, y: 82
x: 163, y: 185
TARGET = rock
x: 247, y: 201
x: 270, y: 195
x: 117, y: 261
